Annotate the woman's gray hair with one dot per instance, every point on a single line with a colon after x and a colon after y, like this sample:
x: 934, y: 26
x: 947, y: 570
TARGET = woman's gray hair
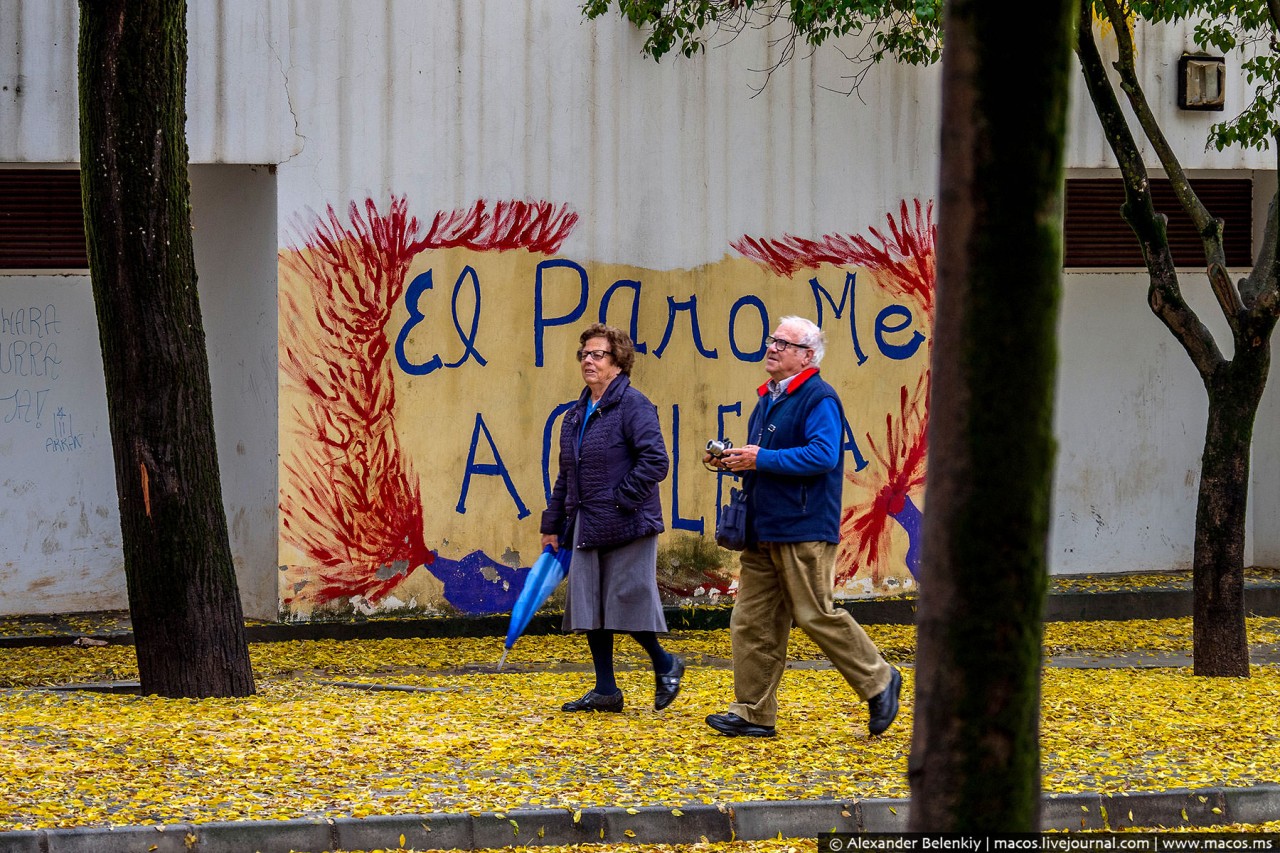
x: 811, y: 336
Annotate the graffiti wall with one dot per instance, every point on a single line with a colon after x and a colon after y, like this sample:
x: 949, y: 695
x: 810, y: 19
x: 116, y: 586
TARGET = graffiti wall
x: 59, y: 509
x: 426, y: 357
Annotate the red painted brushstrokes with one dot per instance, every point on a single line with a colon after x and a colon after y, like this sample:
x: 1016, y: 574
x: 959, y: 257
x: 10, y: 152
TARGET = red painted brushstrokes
x: 536, y: 226
x: 865, y: 528
x: 351, y: 501
x: 905, y: 259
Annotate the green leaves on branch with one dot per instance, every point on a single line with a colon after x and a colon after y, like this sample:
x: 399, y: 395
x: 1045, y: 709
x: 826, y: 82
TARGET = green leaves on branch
x: 1222, y: 26
x: 910, y: 31
x: 906, y: 30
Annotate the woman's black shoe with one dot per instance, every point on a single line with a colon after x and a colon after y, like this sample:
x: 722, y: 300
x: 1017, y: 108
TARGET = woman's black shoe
x: 667, y: 685
x: 593, y: 701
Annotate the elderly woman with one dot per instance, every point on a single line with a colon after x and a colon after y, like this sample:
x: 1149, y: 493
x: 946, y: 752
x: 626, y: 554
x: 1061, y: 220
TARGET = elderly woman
x: 605, y: 506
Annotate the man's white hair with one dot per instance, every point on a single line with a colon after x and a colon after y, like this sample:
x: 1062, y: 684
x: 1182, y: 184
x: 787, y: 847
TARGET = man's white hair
x: 810, y: 336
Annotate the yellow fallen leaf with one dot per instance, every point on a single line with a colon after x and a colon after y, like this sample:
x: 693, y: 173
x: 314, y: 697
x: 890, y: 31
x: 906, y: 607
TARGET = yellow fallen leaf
x: 677, y: 813
x: 893, y: 810
x: 1184, y: 815
x: 577, y: 816
x: 632, y: 811
x: 402, y: 839
x: 629, y: 833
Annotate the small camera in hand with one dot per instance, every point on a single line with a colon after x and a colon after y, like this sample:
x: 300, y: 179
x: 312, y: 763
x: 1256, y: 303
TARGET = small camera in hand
x: 717, y: 446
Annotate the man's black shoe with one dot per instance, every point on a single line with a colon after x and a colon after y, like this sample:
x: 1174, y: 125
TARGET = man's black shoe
x: 593, y: 701
x: 734, y: 726
x: 667, y: 686
x: 884, y: 705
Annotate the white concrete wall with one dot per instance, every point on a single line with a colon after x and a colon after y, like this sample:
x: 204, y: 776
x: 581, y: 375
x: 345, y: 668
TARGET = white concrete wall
x: 60, y: 550
x: 1265, y: 496
x: 237, y: 100
x: 234, y: 215
x: 1130, y: 423
x: 447, y: 102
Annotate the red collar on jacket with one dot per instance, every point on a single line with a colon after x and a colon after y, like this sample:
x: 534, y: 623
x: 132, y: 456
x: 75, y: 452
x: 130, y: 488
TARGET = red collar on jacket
x: 800, y: 378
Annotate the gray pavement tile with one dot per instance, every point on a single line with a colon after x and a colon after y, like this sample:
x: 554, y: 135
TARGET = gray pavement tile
x: 21, y: 841
x: 264, y: 836
x: 1253, y: 805
x: 381, y: 832
x: 532, y: 827
x: 1071, y: 812
x: 883, y: 815
x: 793, y: 818
x: 1168, y: 809
x: 659, y: 824
x: 124, y: 839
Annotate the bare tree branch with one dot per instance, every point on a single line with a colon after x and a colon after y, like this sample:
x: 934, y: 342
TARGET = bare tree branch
x: 1209, y: 228
x: 1163, y: 294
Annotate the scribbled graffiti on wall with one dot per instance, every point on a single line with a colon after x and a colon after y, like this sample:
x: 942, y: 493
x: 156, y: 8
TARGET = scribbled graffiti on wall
x: 30, y: 367
x: 425, y: 364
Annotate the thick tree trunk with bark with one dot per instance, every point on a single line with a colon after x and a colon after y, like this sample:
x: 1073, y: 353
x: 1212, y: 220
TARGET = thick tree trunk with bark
x: 975, y: 757
x: 185, y: 606
x: 1220, y: 643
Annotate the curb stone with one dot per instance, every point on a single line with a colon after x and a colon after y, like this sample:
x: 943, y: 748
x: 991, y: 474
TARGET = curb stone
x: 1260, y: 598
x: 124, y: 839
x: 1071, y: 812
x: 749, y: 821
x: 379, y: 832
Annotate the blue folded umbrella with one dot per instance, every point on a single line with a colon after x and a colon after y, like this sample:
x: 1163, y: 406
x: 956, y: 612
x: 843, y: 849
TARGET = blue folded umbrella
x: 543, y: 578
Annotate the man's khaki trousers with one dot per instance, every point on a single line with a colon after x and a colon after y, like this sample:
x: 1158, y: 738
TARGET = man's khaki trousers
x: 779, y: 583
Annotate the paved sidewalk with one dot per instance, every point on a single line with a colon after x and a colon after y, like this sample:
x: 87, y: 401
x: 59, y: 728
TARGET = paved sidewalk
x: 744, y: 821
x: 1073, y: 598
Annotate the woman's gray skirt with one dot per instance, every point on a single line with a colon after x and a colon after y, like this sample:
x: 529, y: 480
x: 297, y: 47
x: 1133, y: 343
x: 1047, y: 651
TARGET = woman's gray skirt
x: 615, y: 588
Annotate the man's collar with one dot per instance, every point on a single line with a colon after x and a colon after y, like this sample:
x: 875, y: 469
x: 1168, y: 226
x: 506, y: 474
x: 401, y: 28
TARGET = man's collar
x: 793, y: 382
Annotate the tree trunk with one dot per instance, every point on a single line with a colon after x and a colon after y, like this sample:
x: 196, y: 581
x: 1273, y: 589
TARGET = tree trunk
x: 975, y: 757
x: 1221, y: 646
x: 187, y: 620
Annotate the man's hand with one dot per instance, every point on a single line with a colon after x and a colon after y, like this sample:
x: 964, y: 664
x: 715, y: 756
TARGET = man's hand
x: 552, y: 540
x: 740, y: 458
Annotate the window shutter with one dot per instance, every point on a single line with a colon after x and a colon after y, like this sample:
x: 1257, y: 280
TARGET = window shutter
x: 41, y: 221
x: 1097, y: 236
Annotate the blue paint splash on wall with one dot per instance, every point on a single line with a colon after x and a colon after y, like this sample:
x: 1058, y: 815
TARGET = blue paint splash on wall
x: 477, y: 585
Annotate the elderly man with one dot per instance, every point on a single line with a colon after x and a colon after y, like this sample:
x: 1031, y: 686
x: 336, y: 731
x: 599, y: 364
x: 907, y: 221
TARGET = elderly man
x: 793, y: 474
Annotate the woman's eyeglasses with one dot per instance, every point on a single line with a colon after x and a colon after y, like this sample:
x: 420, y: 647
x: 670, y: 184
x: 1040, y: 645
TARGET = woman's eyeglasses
x: 593, y: 354
x: 782, y: 345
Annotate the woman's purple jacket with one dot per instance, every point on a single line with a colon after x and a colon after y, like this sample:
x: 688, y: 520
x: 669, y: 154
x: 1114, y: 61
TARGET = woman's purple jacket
x: 609, y: 486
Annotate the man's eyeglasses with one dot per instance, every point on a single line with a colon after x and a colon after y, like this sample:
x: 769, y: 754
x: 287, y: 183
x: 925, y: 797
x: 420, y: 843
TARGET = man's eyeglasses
x: 782, y: 345
x: 593, y: 354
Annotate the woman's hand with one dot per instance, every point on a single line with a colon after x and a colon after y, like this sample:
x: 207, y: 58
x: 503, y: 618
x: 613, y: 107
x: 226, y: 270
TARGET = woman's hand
x: 552, y: 540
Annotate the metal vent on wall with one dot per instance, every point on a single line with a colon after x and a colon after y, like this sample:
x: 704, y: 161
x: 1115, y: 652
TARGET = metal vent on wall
x: 1097, y: 236
x: 41, y: 220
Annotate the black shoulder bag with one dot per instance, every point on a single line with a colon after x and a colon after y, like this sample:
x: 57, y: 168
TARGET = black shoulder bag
x: 731, y: 529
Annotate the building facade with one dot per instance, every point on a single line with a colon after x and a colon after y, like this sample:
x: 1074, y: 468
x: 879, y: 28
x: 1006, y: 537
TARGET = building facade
x: 404, y: 214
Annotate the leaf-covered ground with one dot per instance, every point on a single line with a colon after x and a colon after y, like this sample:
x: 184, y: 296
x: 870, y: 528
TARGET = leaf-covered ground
x: 476, y: 739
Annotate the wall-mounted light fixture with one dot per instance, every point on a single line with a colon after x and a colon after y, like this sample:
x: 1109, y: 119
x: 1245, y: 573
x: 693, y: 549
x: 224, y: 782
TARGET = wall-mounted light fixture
x: 1202, y: 82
